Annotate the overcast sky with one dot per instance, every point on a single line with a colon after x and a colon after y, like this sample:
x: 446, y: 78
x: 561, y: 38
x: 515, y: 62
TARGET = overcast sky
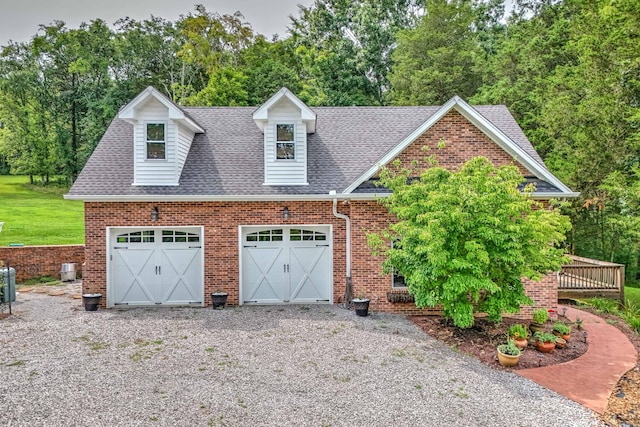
x: 20, y: 19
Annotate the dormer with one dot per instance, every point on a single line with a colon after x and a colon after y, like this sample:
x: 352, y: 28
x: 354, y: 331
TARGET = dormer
x: 285, y: 122
x: 162, y: 136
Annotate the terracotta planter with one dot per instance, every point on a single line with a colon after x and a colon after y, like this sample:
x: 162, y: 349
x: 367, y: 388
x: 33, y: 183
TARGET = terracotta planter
x: 507, y: 359
x: 536, y: 327
x: 545, y: 347
x: 563, y: 336
x: 521, y: 343
x: 560, y: 342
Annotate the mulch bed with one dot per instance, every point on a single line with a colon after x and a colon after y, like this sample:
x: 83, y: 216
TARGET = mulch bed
x: 481, y: 340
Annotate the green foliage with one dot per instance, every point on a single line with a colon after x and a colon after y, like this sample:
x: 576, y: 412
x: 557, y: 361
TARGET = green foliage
x: 519, y: 331
x: 561, y: 328
x: 540, y: 315
x: 544, y: 337
x: 439, y: 58
x: 510, y: 348
x: 465, y: 239
x: 33, y: 216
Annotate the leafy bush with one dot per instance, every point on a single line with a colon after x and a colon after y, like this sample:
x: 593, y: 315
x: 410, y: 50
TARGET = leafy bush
x: 465, y: 239
x: 561, y: 328
x: 544, y: 337
x: 518, y: 331
x: 540, y: 315
x: 510, y: 348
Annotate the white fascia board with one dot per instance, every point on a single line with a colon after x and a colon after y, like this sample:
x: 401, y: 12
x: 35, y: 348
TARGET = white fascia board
x: 308, y: 116
x: 128, y: 112
x: 481, y: 123
x: 226, y: 198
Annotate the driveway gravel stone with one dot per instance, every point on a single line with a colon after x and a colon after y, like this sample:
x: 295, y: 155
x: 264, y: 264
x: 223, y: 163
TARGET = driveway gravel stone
x: 313, y: 365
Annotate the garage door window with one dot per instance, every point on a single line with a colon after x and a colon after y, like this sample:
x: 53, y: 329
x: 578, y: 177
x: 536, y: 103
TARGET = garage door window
x: 145, y: 236
x: 172, y: 236
x: 265, y: 236
x: 296, y: 235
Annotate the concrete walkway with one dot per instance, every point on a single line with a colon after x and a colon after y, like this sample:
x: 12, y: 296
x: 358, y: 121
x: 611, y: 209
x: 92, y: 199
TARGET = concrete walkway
x: 589, y: 379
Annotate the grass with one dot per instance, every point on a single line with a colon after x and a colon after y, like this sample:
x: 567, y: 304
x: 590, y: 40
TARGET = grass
x: 37, y: 215
x: 630, y: 313
x: 632, y: 296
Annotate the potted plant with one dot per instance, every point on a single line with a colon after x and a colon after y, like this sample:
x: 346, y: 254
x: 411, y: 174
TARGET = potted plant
x: 540, y: 317
x: 562, y: 330
x: 91, y: 301
x: 545, y: 341
x: 218, y: 299
x: 519, y: 334
x: 508, y: 354
x: 361, y: 305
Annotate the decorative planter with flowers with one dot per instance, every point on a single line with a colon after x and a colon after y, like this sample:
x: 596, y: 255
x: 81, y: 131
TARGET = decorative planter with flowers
x: 545, y: 341
x: 508, y: 354
x: 519, y: 334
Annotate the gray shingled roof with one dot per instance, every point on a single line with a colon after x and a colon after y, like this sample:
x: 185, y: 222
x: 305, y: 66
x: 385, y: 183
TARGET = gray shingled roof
x: 228, y: 159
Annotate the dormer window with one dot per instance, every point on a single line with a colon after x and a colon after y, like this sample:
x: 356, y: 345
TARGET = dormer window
x: 285, y: 142
x: 156, y: 141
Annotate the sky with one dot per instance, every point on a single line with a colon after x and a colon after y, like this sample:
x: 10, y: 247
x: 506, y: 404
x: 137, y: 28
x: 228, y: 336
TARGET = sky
x: 20, y: 19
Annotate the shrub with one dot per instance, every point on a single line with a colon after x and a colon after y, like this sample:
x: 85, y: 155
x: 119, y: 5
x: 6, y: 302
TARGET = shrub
x: 540, y: 316
x: 561, y: 328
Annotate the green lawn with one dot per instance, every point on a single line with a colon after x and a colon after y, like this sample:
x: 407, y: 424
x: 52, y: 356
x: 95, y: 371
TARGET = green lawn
x: 632, y: 295
x: 36, y: 215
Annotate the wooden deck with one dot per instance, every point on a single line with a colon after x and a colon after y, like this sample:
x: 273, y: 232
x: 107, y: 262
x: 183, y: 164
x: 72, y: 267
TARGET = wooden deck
x: 589, y: 278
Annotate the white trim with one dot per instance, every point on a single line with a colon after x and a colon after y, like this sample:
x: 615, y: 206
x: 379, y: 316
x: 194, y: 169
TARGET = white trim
x: 488, y: 128
x: 264, y: 198
x: 308, y: 116
x: 129, y: 114
x: 108, y: 231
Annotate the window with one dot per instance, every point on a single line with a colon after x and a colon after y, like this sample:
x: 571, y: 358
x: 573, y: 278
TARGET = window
x: 146, y: 236
x: 172, y: 236
x: 285, y: 142
x: 397, y: 280
x: 296, y: 235
x: 265, y: 236
x: 156, y: 141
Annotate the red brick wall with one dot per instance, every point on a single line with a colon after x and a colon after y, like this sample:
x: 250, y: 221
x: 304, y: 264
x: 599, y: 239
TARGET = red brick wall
x: 220, y: 221
x: 36, y: 261
x: 462, y: 142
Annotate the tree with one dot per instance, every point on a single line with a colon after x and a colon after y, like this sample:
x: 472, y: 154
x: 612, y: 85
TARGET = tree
x: 440, y: 57
x: 465, y: 239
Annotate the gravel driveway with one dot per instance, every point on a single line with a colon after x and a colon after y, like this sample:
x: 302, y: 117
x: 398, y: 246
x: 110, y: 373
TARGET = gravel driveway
x: 250, y: 366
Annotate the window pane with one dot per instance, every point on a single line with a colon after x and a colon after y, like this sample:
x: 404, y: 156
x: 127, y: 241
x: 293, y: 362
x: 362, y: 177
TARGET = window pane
x: 285, y: 151
x: 155, y: 131
x: 284, y: 132
x: 252, y: 238
x: 155, y: 150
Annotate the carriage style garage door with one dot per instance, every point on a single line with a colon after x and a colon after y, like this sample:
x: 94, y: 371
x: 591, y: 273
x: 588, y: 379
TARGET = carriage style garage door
x: 286, y: 265
x: 156, y: 267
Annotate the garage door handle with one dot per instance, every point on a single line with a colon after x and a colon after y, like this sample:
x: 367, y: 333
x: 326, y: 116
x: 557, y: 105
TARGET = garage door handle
x: 317, y: 246
x: 120, y: 247
x: 249, y: 246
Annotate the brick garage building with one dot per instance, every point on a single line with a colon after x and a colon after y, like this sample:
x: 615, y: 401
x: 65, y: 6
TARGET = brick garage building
x: 270, y: 204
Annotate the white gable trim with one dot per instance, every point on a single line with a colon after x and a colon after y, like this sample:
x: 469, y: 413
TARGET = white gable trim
x: 488, y: 128
x: 260, y: 116
x: 128, y: 112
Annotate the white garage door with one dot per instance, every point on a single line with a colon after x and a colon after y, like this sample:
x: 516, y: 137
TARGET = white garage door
x: 156, y: 267
x: 286, y: 265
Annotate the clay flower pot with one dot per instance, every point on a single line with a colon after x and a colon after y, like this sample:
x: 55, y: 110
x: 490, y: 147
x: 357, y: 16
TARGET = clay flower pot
x: 545, y: 347
x: 560, y: 342
x: 507, y: 359
x: 520, y: 342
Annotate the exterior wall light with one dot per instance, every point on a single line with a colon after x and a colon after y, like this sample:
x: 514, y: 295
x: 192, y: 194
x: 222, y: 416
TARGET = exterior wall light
x: 154, y: 214
x: 285, y: 213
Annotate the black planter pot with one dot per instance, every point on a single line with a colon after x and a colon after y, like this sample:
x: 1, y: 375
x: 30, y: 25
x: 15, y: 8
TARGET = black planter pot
x: 91, y: 301
x: 361, y: 306
x: 218, y: 300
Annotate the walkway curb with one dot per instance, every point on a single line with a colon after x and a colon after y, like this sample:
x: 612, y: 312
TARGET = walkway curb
x: 589, y: 379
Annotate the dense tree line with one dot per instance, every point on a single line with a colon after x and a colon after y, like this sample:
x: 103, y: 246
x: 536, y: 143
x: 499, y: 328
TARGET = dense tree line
x: 569, y: 70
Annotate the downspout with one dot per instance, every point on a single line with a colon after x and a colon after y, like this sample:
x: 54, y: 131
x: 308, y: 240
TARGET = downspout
x: 348, y: 292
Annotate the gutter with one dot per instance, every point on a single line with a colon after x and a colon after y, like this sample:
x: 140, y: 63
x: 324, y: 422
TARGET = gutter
x: 348, y: 291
